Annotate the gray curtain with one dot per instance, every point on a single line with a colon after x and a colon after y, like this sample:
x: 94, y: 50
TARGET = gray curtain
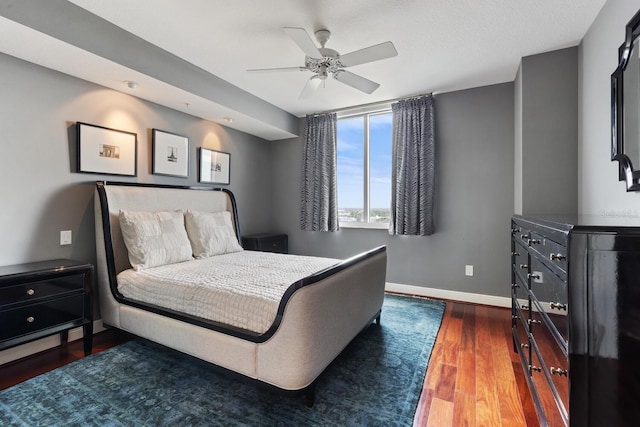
x: 319, y: 207
x: 412, y: 171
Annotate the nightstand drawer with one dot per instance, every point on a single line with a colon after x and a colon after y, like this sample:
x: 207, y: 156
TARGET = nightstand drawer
x: 34, y: 317
x: 266, y: 242
x: 35, y: 291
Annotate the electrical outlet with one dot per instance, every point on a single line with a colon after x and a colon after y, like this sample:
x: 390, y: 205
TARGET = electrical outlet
x: 468, y: 270
x: 65, y: 237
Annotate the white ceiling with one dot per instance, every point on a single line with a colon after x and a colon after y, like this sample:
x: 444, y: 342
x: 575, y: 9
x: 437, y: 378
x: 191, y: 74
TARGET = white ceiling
x: 443, y: 45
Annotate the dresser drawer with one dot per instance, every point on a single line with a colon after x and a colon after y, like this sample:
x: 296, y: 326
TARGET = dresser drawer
x: 556, y: 325
x: 547, y: 287
x: 521, y: 234
x: 555, y: 254
x: 519, y: 289
x: 522, y: 342
x: 35, y: 291
x: 552, y: 388
x: 34, y: 317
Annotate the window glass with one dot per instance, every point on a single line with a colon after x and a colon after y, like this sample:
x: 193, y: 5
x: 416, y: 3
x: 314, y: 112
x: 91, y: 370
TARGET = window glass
x: 364, y: 168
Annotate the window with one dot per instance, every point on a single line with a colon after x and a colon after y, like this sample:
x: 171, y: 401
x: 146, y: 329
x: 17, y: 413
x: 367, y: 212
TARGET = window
x: 364, y: 169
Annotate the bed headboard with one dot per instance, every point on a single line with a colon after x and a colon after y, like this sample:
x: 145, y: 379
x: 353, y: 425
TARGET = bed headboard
x: 112, y: 197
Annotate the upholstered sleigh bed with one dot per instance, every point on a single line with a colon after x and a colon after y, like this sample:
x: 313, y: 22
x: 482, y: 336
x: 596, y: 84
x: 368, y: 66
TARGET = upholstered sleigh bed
x: 315, y: 318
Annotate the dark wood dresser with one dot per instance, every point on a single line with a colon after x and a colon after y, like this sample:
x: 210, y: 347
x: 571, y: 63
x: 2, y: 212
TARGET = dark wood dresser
x: 45, y: 298
x: 576, y: 317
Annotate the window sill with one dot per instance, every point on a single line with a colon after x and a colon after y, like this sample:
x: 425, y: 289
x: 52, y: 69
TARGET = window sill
x: 368, y: 225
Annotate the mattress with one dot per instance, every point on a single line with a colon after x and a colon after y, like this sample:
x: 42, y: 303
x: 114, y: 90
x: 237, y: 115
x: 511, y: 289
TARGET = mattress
x: 240, y: 289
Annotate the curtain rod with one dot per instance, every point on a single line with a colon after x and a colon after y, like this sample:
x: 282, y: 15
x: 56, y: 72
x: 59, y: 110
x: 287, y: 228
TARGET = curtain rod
x: 372, y: 104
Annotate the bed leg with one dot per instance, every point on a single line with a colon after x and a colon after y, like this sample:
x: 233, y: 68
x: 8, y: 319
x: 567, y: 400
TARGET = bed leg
x: 310, y: 396
x: 378, y: 319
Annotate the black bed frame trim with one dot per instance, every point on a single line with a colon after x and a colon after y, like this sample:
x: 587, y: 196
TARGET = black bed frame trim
x: 216, y: 326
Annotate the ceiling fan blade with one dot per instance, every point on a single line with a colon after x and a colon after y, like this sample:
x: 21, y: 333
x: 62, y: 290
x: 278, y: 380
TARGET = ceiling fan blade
x: 312, y: 85
x: 269, y: 70
x: 304, y: 42
x: 369, y: 54
x: 356, y: 81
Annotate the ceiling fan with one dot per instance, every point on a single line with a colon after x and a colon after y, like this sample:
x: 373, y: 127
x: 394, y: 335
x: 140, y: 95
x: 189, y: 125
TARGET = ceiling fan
x: 323, y: 61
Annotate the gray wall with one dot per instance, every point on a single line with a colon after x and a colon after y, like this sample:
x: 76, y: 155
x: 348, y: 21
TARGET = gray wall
x: 41, y: 193
x: 474, y: 200
x: 599, y: 191
x: 547, y: 133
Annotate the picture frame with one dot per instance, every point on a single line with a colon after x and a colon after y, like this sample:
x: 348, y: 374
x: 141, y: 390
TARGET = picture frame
x: 106, y: 151
x: 170, y: 154
x: 215, y: 166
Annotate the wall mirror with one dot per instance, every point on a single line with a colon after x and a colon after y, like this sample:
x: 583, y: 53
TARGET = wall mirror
x: 625, y: 107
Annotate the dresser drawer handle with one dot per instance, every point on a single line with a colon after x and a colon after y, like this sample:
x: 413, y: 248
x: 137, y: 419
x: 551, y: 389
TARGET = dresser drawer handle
x: 533, y: 276
x: 534, y: 241
x: 515, y: 254
x: 31, y: 319
x: 30, y: 292
x: 558, y: 305
x: 524, y: 266
x: 514, y: 317
x: 559, y: 371
x: 515, y: 285
x: 524, y: 307
x: 534, y: 322
x: 535, y: 368
x: 515, y: 230
x: 525, y: 236
x: 557, y: 257
x: 523, y: 345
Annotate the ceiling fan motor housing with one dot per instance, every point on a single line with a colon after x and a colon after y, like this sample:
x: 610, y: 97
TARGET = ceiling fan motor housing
x: 329, y: 63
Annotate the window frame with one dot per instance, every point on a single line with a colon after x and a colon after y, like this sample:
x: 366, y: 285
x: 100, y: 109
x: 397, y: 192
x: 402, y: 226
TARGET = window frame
x: 365, y: 114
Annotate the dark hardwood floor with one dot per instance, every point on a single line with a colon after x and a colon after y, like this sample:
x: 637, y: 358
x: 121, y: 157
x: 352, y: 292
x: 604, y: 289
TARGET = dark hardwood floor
x: 474, y: 377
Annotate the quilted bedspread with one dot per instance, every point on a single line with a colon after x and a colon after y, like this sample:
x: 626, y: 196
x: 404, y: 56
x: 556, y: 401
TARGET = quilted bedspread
x: 241, y: 289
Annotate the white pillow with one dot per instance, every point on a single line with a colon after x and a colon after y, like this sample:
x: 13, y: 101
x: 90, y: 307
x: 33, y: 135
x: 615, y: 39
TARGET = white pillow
x: 155, y: 238
x: 211, y: 233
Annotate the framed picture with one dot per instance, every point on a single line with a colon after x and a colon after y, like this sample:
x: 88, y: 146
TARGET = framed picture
x: 214, y: 166
x: 170, y: 154
x: 106, y: 151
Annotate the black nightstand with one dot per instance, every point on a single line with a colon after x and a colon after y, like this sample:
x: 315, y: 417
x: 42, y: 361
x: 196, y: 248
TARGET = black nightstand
x: 266, y: 242
x: 45, y: 298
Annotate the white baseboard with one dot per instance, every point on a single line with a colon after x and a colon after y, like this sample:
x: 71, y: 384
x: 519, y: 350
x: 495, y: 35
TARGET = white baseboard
x: 449, y: 295
x: 24, y: 350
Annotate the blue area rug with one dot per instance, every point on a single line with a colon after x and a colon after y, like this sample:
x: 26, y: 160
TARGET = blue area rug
x: 375, y: 381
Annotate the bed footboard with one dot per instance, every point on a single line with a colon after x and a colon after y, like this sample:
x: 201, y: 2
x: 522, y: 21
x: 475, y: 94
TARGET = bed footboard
x: 320, y: 320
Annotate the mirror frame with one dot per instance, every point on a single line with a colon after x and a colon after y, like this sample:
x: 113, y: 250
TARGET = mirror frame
x: 626, y: 171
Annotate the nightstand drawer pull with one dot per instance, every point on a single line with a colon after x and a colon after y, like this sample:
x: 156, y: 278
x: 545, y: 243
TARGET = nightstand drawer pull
x: 535, y: 368
x: 31, y: 319
x: 30, y: 292
x: 523, y: 345
x: 534, y: 322
x: 515, y: 254
x: 524, y: 266
x: 559, y: 371
x: 525, y: 236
